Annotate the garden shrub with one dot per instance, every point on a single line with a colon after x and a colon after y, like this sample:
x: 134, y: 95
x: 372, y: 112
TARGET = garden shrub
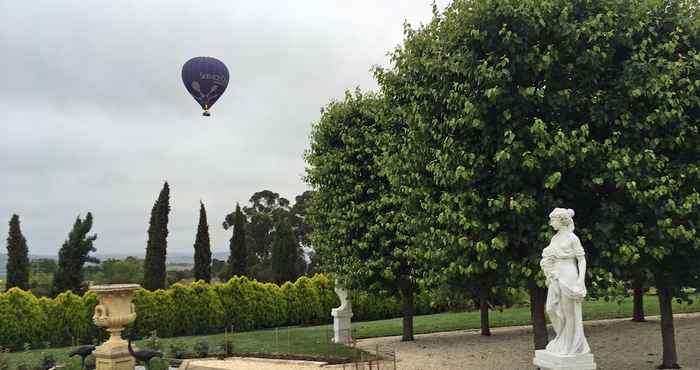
x: 201, y: 348
x: 274, y: 305
x: 154, y: 311
x: 158, y: 364
x: 73, y: 363
x: 197, y: 308
x: 291, y: 296
x: 153, y: 342
x: 70, y: 318
x: 178, y: 349
x: 309, y: 301
x: 236, y: 298
x: 22, y: 319
x: 48, y: 360
x: 329, y: 299
x: 208, y: 308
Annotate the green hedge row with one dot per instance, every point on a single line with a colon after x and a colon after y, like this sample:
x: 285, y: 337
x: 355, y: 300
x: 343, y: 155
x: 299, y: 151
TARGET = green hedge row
x: 42, y: 322
x: 197, y: 308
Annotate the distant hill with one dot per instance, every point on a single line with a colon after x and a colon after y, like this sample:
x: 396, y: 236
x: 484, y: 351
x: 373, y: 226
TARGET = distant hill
x: 174, y: 258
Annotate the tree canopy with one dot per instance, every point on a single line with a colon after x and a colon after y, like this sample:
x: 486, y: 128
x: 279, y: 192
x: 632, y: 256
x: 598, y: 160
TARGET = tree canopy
x: 238, y: 258
x: 355, y: 214
x: 497, y: 111
x: 202, y: 248
x: 17, y: 257
x: 157, y: 245
x: 73, y: 255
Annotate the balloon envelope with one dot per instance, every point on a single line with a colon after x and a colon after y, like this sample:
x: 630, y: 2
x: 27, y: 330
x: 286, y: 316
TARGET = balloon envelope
x: 206, y: 79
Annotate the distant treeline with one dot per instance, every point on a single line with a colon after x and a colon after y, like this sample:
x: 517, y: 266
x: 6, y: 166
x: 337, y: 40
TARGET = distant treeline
x: 270, y: 242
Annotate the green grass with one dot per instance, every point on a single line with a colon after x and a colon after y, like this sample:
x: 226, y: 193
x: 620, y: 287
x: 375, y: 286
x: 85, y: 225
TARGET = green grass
x: 592, y: 310
x: 314, y: 340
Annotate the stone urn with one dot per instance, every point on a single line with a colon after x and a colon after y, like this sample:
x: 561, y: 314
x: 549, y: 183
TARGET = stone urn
x: 114, y: 312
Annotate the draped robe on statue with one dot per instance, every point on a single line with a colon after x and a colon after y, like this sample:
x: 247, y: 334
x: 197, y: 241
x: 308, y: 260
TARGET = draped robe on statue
x: 565, y: 294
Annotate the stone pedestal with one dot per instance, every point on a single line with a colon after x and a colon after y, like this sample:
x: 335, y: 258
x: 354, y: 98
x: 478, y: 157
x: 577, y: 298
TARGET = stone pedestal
x: 342, y: 328
x: 114, y: 312
x: 552, y: 361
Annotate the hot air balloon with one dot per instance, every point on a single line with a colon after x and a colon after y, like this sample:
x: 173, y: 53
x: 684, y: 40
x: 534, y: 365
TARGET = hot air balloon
x: 206, y: 79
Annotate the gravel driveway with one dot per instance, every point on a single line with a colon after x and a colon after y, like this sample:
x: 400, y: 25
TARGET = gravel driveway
x: 616, y: 344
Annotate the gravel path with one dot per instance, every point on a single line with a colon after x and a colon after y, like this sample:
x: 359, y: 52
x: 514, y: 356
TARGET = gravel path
x: 616, y: 344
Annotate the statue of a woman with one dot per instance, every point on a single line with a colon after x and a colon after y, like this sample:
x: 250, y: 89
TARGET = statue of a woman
x: 564, y: 266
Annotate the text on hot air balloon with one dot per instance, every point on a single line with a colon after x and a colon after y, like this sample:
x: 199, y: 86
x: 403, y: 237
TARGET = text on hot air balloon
x: 210, y: 76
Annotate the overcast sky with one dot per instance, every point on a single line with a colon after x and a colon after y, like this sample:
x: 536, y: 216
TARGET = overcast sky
x: 95, y: 117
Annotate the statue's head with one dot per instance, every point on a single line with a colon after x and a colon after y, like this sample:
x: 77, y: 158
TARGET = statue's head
x: 562, y: 218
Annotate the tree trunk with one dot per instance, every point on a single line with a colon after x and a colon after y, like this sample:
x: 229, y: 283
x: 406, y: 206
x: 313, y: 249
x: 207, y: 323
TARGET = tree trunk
x: 406, y: 288
x: 538, y: 298
x: 670, y: 358
x: 484, y: 309
x: 638, y: 306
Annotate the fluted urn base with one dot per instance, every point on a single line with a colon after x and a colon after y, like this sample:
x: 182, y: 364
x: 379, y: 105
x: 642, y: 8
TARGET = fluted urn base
x: 114, y: 355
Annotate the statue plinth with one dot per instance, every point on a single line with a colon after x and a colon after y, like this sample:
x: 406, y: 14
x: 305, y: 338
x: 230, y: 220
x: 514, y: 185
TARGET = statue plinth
x: 554, y: 361
x: 342, y: 326
x: 114, y: 312
x: 342, y: 315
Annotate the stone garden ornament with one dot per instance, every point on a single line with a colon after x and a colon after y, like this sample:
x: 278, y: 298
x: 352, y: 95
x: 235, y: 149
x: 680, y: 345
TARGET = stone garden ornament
x: 564, y: 266
x: 342, y: 316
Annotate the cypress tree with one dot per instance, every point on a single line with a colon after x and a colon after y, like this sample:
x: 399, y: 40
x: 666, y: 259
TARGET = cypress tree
x: 237, y: 263
x: 17, y: 257
x: 285, y: 253
x: 72, y: 257
x: 239, y: 249
x: 156, y: 247
x: 202, y: 248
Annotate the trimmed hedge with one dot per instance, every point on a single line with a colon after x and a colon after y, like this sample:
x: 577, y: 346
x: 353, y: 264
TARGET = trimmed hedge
x: 197, y: 308
x: 23, y: 319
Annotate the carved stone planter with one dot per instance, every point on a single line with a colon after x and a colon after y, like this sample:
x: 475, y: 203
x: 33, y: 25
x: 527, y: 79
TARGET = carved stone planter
x: 114, y: 312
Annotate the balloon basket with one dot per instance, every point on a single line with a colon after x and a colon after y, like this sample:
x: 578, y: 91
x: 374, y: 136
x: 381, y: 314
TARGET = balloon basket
x: 206, y: 114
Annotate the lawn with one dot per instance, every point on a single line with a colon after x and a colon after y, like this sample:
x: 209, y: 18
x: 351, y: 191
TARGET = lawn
x: 315, y: 340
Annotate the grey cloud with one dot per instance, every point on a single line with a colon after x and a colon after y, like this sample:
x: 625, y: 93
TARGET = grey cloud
x: 94, y: 115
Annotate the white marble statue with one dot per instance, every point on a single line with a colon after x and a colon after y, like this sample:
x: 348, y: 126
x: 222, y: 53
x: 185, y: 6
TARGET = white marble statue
x: 564, y: 266
x: 345, y: 303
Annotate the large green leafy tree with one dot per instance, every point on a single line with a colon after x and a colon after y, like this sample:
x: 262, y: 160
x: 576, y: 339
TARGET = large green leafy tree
x: 506, y: 110
x: 266, y: 207
x: 355, y: 214
x: 510, y: 108
x: 238, y: 258
x: 73, y: 255
x: 156, y: 248
x: 202, y: 248
x: 302, y: 231
x: 285, y: 253
x: 493, y: 99
x: 17, y: 257
x: 265, y: 212
x: 652, y: 147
